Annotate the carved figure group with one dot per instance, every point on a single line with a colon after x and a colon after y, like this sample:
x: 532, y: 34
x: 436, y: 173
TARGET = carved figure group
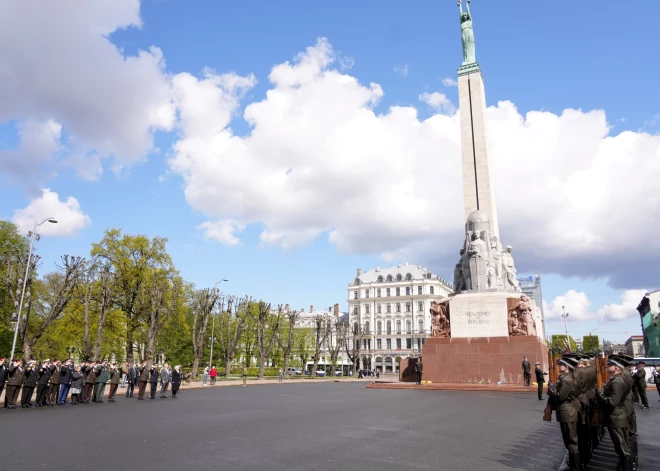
x: 440, y: 327
x: 521, y: 321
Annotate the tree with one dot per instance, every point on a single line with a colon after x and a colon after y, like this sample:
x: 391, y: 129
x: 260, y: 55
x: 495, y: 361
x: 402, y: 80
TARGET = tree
x: 304, y: 345
x: 322, y: 329
x: 106, y: 282
x: 336, y: 344
x: 287, y: 337
x: 559, y: 343
x: 268, y: 325
x: 204, y: 302
x: 590, y: 343
x: 354, y: 345
x: 58, y: 291
x: 231, y: 325
x: 13, y: 247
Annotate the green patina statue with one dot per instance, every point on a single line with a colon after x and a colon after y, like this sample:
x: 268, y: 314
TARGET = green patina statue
x: 467, y: 34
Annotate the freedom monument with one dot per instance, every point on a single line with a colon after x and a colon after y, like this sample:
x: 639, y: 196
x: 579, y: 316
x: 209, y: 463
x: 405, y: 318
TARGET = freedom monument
x: 482, y: 331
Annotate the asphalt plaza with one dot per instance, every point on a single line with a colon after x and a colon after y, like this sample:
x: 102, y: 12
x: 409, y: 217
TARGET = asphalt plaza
x: 315, y: 426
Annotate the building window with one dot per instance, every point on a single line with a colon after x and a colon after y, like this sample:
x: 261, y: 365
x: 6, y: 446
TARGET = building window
x: 366, y: 328
x: 355, y: 327
x: 428, y: 276
x: 378, y: 292
x: 355, y: 294
x: 366, y: 293
x: 421, y: 326
x: 419, y: 344
x: 389, y: 277
x: 356, y: 310
x: 399, y: 277
x: 408, y: 277
x: 389, y: 327
x: 398, y: 291
x: 398, y: 327
x: 431, y: 289
x: 379, y: 327
x: 407, y: 290
x: 367, y: 309
x: 408, y: 327
x: 419, y: 290
x: 379, y: 344
x: 380, y: 279
x: 408, y: 307
x: 398, y: 307
x: 389, y: 308
x: 378, y: 308
x: 387, y: 292
x: 398, y: 344
x: 408, y: 344
x: 364, y: 343
x: 420, y: 306
x: 389, y: 344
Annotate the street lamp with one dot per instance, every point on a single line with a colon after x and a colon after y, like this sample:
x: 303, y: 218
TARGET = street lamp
x: 213, y: 327
x: 32, y: 235
x: 565, y: 315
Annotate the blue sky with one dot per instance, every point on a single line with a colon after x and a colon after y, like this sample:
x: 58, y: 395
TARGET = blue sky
x: 541, y: 56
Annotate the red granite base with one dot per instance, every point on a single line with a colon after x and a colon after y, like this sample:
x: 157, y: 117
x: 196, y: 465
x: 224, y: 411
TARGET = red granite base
x: 472, y: 360
x: 510, y: 388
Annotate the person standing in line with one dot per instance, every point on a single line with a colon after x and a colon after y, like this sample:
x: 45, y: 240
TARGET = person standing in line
x: 564, y: 399
x: 14, y: 382
x: 540, y: 379
x: 132, y: 376
x: 418, y: 370
x: 65, y: 381
x: 76, y: 385
x: 176, y: 380
x: 114, y: 376
x: 97, y: 383
x: 526, y: 371
x: 143, y: 379
x: 635, y: 394
x: 164, y: 380
x: 4, y: 372
x: 640, y: 382
x: 153, y: 379
x: 656, y: 379
x: 213, y: 373
x: 103, y: 380
x: 244, y: 376
x: 281, y: 375
x: 29, y: 383
x: 54, y: 386
x: 124, y: 373
x: 84, y: 370
x: 90, y: 381
x: 43, y: 374
x: 205, y: 376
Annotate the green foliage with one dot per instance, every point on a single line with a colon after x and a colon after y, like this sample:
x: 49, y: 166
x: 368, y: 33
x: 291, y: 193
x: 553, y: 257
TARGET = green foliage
x: 12, y: 246
x: 254, y: 371
x: 590, y: 342
x: 559, y: 343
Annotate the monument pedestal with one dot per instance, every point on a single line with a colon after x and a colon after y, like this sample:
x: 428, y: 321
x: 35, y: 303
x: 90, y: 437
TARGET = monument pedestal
x: 495, y: 359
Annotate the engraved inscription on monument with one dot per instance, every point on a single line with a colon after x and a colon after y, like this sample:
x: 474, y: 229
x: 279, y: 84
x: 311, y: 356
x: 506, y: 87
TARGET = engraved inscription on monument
x: 479, y: 316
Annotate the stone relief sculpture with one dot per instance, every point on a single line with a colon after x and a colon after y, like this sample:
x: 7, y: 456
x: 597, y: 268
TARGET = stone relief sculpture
x: 483, y: 265
x: 521, y: 319
x: 515, y: 327
x: 467, y: 34
x: 440, y: 327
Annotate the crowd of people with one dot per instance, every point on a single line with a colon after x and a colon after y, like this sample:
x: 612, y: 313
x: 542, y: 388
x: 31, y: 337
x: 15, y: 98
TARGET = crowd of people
x: 584, y: 411
x: 86, y: 382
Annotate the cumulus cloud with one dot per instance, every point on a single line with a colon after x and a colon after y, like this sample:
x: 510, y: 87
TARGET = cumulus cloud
x: 449, y: 82
x: 222, y: 231
x: 625, y: 309
x: 572, y: 198
x: 438, y: 101
x: 401, y: 69
x: 107, y: 102
x: 69, y: 216
x: 578, y: 306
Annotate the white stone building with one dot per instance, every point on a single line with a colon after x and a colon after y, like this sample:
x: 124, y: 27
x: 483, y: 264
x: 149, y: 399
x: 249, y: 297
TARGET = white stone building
x: 392, y: 305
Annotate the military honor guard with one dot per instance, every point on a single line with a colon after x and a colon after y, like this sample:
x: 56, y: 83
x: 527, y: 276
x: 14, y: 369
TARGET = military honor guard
x: 14, y: 383
x: 565, y: 403
x: 115, y: 377
x: 54, y: 384
x: 640, y: 382
x: 43, y: 379
x: 143, y: 379
x: 4, y: 372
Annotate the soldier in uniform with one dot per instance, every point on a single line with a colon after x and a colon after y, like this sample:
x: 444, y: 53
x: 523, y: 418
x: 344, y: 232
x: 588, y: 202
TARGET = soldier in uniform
x: 4, y: 372
x: 14, y: 382
x: 418, y: 370
x: 29, y: 383
x: 84, y: 369
x: 566, y: 404
x: 640, y: 382
x: 627, y: 361
x: 614, y: 397
x: 90, y: 380
x: 153, y: 380
x: 43, y: 376
x: 101, y: 380
x: 592, y: 382
x: 65, y: 381
x: 143, y: 379
x: 54, y: 386
x: 584, y: 432
x: 115, y: 376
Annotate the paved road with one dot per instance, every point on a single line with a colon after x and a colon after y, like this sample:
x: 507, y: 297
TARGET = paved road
x: 318, y: 426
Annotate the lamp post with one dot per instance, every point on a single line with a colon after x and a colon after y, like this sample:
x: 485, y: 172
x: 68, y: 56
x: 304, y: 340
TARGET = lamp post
x: 565, y: 315
x: 32, y: 235
x: 213, y: 327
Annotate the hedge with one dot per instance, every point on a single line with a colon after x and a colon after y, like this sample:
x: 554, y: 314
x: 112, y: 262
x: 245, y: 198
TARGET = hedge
x: 254, y: 371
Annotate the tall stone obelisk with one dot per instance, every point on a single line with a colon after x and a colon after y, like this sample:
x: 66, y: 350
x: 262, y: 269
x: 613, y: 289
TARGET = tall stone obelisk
x: 478, y: 191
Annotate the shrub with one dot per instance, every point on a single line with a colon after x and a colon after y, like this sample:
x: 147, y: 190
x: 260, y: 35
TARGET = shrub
x: 254, y: 371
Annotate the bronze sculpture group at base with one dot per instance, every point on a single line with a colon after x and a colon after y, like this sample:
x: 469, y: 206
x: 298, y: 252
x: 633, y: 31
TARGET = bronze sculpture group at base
x: 439, y: 321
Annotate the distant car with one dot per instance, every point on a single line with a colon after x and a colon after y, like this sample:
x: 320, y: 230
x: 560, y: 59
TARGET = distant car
x: 339, y: 373
x: 295, y: 371
x: 320, y: 373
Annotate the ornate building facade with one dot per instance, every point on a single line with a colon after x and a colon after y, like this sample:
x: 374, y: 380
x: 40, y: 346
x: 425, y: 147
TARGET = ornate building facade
x: 391, y: 308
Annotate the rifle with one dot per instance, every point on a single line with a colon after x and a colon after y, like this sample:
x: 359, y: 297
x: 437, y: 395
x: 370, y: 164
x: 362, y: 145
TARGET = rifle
x: 547, y: 413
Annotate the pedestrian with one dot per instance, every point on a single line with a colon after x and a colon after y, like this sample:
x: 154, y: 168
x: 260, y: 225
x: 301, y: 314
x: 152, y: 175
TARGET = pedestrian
x: 76, y: 385
x: 143, y: 379
x: 65, y: 381
x: 205, y: 376
x: 540, y: 379
x: 526, y: 371
x: 213, y: 373
x: 90, y: 381
x: 640, y: 382
x: 176, y: 380
x: 153, y: 380
x: 418, y: 370
x: 132, y: 379
x: 656, y: 378
x: 164, y: 380
x: 635, y: 394
x: 4, y: 373
x: 124, y: 374
x: 42, y: 383
x: 114, y: 373
x: 281, y: 375
x: 564, y: 398
x: 54, y: 386
x: 244, y: 376
x: 14, y: 382
x: 29, y: 383
x: 613, y: 397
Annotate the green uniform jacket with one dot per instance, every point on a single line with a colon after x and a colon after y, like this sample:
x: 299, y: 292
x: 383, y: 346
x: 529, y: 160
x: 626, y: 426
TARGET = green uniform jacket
x: 615, y: 394
x: 565, y: 400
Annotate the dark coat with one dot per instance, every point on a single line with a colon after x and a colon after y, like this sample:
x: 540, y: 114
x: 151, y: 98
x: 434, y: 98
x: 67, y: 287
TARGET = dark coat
x: 565, y: 400
x: 54, y: 375
x: 30, y: 377
x: 176, y: 378
x: 144, y: 374
x: 4, y: 373
x: 614, y: 396
x: 539, y: 375
x: 102, y: 376
x: 76, y: 380
x: 640, y: 378
x: 65, y: 375
x: 15, y: 375
x: 132, y: 375
x: 115, y: 375
x: 90, y: 378
x: 44, y: 376
x: 525, y: 366
x: 153, y: 375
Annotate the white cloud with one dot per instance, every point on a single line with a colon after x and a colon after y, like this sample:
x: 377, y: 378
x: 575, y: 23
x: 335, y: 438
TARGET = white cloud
x: 578, y: 306
x: 108, y: 103
x: 438, y: 101
x: 401, y: 69
x: 222, y: 231
x: 69, y: 216
x: 449, y: 82
x: 318, y: 159
x: 627, y: 308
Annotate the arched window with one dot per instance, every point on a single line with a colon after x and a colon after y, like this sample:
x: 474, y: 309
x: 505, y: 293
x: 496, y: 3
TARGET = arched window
x: 378, y: 292
x: 366, y: 293
x: 431, y: 289
x: 398, y: 327
x: 408, y: 326
x: 380, y: 279
x: 421, y: 326
x: 366, y: 327
x: 389, y: 278
x: 408, y: 277
x: 398, y: 291
x: 357, y: 281
x: 428, y: 276
x: 399, y: 277
x: 389, y: 327
x: 355, y: 327
x: 379, y: 327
